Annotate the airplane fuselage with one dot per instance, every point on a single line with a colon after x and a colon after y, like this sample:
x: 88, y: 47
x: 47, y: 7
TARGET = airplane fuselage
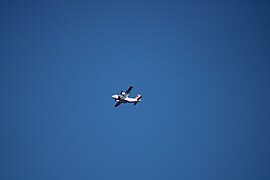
x: 120, y: 98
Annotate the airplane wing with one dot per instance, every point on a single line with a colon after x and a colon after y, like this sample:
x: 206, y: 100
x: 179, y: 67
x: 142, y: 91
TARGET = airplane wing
x: 128, y: 91
x: 117, y: 104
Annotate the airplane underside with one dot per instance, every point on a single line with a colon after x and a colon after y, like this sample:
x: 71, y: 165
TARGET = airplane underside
x: 122, y: 101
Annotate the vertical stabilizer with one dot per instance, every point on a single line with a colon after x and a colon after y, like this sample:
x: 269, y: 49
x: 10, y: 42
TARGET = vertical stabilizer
x: 138, y: 97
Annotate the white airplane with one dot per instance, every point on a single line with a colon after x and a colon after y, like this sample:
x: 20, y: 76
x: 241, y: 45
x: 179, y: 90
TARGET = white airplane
x: 123, y: 97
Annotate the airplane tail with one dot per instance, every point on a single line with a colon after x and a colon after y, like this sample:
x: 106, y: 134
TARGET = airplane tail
x: 138, y: 97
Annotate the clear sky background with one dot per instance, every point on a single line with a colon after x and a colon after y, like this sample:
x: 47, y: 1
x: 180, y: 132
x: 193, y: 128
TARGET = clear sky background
x: 201, y: 66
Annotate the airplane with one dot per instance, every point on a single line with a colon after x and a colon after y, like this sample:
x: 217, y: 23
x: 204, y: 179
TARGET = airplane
x: 123, y: 97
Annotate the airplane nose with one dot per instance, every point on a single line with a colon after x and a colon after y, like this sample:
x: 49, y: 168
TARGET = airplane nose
x: 114, y: 96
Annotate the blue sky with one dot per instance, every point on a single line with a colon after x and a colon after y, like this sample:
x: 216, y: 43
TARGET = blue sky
x: 201, y: 66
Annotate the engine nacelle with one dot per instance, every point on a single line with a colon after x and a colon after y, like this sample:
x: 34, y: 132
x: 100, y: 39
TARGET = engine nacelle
x: 123, y: 93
